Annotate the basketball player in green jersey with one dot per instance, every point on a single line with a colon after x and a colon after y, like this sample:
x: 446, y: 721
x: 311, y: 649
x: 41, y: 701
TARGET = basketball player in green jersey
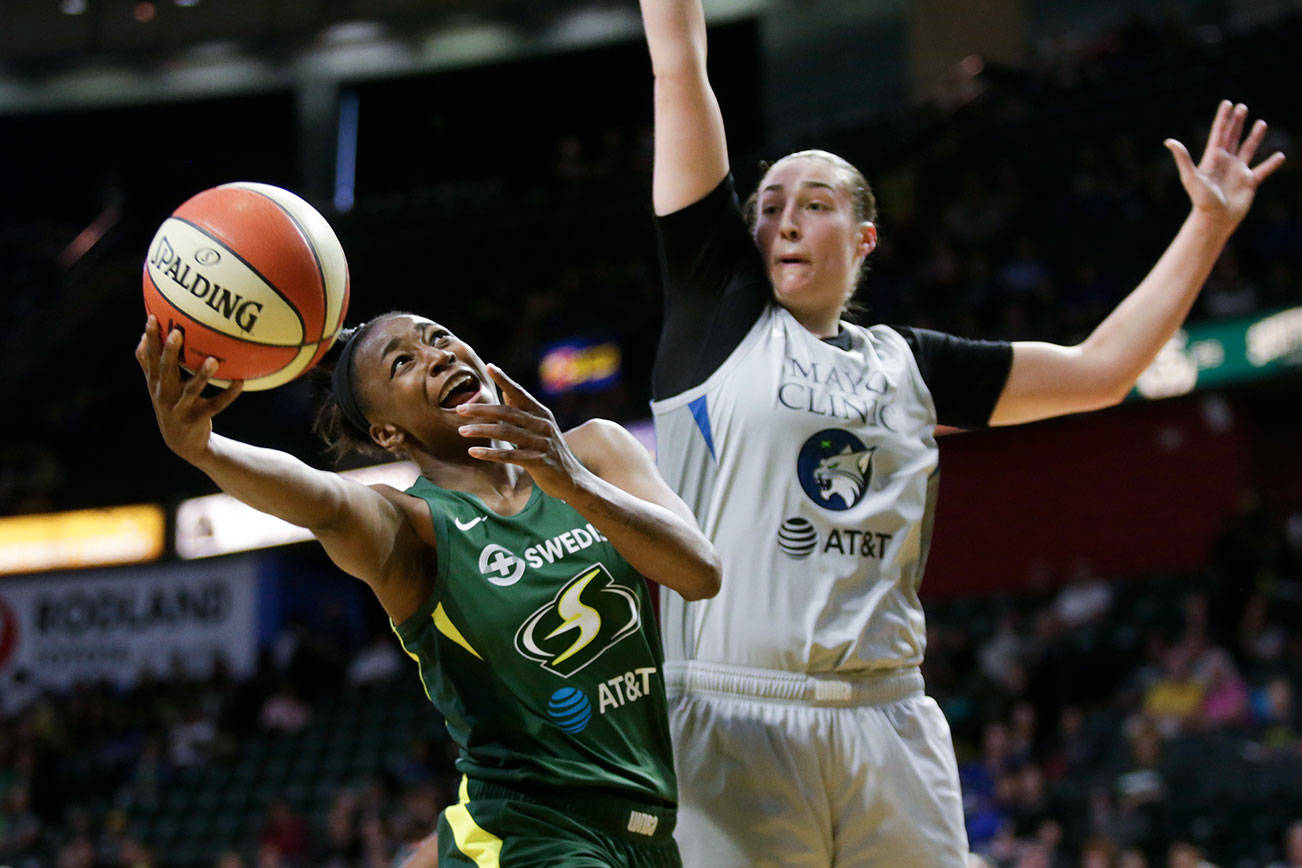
x: 512, y: 572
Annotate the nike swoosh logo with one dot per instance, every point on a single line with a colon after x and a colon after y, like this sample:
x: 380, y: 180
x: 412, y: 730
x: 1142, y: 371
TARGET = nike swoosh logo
x: 466, y: 525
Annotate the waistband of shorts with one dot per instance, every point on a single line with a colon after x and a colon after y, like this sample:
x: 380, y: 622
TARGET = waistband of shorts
x: 878, y: 687
x: 630, y: 819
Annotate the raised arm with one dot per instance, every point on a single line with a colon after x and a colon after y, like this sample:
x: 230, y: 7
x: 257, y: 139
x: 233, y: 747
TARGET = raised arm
x: 366, y: 531
x: 691, y: 152
x: 608, y: 478
x: 1051, y: 380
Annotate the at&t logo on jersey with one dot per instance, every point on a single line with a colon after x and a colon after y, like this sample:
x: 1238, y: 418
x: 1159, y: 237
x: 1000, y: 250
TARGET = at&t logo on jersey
x: 585, y: 618
x: 570, y: 709
x: 797, y: 537
x: 835, y: 468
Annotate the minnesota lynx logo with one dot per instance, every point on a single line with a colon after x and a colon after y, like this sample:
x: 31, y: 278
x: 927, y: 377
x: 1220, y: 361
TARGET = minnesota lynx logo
x: 844, y: 475
x: 835, y: 468
x: 585, y: 618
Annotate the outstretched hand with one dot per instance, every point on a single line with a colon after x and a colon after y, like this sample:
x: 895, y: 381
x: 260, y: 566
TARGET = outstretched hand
x: 524, y: 422
x: 1224, y: 182
x: 184, y: 415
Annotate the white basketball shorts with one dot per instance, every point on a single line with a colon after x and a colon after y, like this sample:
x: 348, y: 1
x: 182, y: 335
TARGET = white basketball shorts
x: 782, y: 770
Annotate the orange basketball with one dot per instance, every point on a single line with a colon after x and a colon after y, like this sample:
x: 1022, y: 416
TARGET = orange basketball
x: 254, y: 276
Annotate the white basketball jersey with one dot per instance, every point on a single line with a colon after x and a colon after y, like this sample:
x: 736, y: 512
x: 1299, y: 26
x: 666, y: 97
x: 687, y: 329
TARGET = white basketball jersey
x: 813, y: 470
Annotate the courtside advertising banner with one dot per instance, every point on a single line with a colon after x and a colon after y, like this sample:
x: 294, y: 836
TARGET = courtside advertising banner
x: 117, y: 624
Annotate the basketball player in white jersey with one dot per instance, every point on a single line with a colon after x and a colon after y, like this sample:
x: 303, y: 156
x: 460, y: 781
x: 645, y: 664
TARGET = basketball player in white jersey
x: 804, y: 444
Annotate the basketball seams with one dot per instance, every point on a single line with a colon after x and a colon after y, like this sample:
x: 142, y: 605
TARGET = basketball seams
x: 331, y: 264
x: 310, y: 242
x: 322, y: 237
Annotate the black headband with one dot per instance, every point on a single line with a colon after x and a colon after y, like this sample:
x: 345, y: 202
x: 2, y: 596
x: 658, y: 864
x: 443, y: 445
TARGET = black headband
x: 342, y: 383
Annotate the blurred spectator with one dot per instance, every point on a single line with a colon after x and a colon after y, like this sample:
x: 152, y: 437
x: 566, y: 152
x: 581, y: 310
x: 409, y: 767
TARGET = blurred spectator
x: 378, y: 661
x: 982, y: 805
x: 1173, y: 702
x: 1029, y: 808
x: 77, y: 853
x: 1292, y: 847
x: 1000, y: 654
x: 1225, y: 695
x: 1075, y: 751
x: 1229, y: 293
x: 1132, y: 858
x: 1098, y: 853
x: 1084, y: 599
x: 133, y: 854
x: 1182, y: 854
x: 284, y: 831
x: 1141, y: 787
x: 285, y: 711
x: 1277, y: 730
x: 1261, y: 639
x: 192, y: 738
x: 340, y: 846
x: 20, y: 830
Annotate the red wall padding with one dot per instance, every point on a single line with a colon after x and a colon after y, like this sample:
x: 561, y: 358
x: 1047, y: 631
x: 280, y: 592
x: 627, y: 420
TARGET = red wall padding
x: 1131, y: 490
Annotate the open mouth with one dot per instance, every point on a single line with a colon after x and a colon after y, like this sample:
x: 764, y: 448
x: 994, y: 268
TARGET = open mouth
x: 460, y: 389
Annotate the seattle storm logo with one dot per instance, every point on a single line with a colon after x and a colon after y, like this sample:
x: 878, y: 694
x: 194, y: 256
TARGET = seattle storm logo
x: 835, y: 468
x: 585, y: 618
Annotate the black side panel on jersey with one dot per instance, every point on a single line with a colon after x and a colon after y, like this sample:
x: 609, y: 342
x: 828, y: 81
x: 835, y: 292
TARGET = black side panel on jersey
x: 715, y: 289
x: 965, y: 376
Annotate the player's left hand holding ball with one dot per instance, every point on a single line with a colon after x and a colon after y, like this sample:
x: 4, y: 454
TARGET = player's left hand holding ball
x: 530, y: 427
x: 184, y: 415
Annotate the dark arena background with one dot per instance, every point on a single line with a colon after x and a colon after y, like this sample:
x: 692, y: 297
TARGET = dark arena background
x: 1114, y: 601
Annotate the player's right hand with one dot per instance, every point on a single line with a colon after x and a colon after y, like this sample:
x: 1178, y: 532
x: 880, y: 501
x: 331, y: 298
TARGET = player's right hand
x: 184, y: 415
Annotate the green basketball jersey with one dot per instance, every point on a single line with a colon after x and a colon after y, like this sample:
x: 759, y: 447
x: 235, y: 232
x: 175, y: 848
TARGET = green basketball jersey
x: 540, y: 649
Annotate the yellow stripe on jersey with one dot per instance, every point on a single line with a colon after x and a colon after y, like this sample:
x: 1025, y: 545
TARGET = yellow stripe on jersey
x: 423, y: 685
x: 474, y: 841
x: 445, y: 626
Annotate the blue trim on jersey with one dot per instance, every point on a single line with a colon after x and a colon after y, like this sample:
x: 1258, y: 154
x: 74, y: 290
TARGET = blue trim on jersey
x: 701, y: 413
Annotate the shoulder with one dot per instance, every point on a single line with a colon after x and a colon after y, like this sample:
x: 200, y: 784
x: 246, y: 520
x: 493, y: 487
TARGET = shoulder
x: 599, y: 442
x: 414, y: 510
x: 717, y: 202
x: 891, y: 334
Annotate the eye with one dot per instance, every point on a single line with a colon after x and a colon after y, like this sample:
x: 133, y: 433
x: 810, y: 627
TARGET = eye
x: 398, y: 362
x: 816, y: 206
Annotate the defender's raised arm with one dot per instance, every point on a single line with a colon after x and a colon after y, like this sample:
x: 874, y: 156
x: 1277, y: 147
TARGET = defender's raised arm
x: 691, y: 153
x: 1050, y: 380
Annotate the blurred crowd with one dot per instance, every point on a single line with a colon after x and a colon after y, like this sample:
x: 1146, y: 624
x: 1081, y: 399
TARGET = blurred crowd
x: 1113, y: 723
x: 90, y: 777
x: 1100, y: 723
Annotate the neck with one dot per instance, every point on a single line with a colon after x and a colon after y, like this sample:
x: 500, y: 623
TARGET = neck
x: 497, y: 485
x: 823, y: 324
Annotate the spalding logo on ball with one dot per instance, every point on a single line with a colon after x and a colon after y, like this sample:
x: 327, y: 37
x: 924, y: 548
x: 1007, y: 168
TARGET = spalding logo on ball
x: 255, y: 277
